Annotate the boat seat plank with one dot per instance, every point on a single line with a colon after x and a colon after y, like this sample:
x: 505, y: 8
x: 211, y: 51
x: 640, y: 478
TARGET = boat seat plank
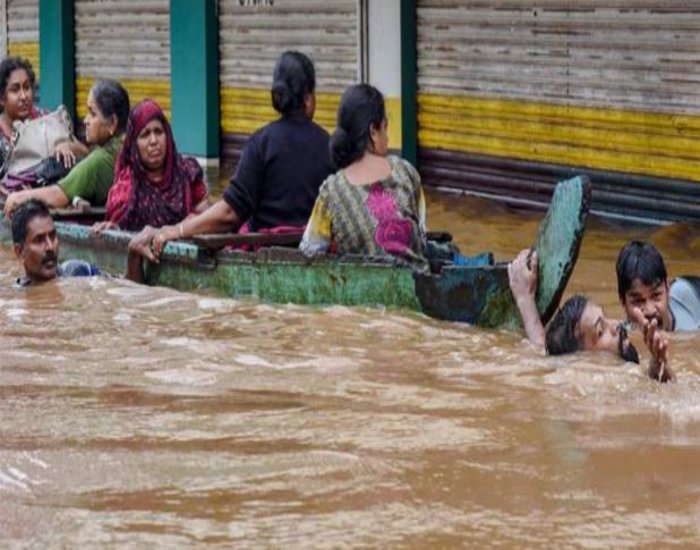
x: 220, y: 240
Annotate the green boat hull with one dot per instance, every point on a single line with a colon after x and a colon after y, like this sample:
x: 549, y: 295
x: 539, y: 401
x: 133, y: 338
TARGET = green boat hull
x: 476, y: 295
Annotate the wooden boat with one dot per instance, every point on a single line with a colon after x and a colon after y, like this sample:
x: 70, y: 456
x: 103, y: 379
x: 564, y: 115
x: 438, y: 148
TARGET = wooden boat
x: 477, y: 294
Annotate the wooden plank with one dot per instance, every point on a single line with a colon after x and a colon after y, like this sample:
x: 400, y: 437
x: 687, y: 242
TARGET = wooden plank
x: 221, y: 240
x: 95, y: 214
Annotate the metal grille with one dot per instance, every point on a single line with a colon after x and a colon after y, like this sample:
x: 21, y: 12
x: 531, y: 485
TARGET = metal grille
x: 127, y: 40
x: 252, y: 38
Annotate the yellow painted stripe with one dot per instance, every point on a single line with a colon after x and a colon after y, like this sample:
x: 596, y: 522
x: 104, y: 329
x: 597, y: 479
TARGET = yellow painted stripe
x: 28, y: 50
x: 393, y: 116
x: 657, y: 144
x: 157, y: 90
x: 245, y: 110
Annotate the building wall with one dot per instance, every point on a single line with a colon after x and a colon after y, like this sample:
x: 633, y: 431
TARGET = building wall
x: 511, y: 95
x: 127, y: 40
x: 22, y: 37
x: 591, y: 85
x: 251, y: 38
x: 384, y: 45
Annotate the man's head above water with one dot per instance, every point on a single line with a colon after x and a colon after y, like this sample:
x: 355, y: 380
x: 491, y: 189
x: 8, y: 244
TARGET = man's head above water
x: 35, y: 241
x: 642, y: 282
x: 582, y: 325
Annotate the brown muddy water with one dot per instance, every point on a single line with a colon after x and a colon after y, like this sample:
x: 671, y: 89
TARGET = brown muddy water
x: 144, y: 417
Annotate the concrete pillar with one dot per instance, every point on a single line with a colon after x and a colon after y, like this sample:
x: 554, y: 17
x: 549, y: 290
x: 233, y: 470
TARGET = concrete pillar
x: 194, y: 73
x: 57, y: 54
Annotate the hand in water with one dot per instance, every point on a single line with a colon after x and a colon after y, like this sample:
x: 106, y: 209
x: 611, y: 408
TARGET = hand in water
x: 142, y: 244
x: 657, y: 344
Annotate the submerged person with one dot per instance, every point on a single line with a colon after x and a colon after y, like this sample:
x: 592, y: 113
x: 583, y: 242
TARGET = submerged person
x: 36, y: 246
x: 582, y: 325
x: 642, y: 282
x: 89, y: 182
x: 373, y: 205
x: 17, y: 84
x: 153, y: 184
x: 281, y: 168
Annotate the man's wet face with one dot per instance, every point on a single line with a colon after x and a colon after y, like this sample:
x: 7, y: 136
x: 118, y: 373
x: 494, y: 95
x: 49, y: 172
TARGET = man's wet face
x: 652, y: 300
x: 39, y: 254
x: 598, y: 333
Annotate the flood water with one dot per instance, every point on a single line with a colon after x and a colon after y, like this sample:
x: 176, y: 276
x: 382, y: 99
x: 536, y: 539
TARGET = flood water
x: 136, y: 416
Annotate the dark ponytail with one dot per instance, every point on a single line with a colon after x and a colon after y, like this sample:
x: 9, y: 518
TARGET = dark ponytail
x: 113, y: 100
x: 361, y: 107
x: 293, y: 79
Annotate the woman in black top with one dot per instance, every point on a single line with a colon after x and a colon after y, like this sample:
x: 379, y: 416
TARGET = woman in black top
x: 281, y: 169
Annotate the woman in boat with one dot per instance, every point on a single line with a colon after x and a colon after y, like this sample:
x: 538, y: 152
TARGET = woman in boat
x: 374, y: 204
x: 281, y: 168
x: 17, y: 83
x: 89, y: 182
x: 153, y: 184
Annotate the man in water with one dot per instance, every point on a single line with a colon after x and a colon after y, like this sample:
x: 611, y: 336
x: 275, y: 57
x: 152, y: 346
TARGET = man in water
x: 36, y: 246
x: 581, y: 325
x: 642, y: 283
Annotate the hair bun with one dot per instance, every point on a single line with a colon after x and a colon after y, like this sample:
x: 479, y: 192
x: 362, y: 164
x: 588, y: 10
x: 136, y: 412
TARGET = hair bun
x: 342, y: 150
x: 282, y: 97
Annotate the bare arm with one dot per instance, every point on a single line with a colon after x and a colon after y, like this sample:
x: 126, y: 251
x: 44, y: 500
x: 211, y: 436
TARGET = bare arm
x: 523, y: 285
x: 53, y: 196
x: 201, y: 207
x: 140, y: 248
x: 216, y: 219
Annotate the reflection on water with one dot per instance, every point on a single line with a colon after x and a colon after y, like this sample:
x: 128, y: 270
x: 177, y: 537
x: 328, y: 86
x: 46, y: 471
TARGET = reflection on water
x: 135, y: 415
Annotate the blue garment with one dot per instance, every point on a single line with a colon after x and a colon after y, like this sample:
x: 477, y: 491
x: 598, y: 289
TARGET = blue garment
x: 684, y: 303
x: 69, y: 268
x: 78, y: 268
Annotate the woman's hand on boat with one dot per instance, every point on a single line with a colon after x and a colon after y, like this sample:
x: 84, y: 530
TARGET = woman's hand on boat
x: 522, y: 274
x: 142, y: 244
x: 99, y: 227
x: 64, y: 154
x: 164, y: 234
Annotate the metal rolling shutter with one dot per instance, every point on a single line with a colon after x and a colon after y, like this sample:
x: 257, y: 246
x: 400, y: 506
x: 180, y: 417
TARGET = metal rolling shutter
x: 23, y: 30
x: 609, y: 86
x: 252, y: 37
x: 127, y: 40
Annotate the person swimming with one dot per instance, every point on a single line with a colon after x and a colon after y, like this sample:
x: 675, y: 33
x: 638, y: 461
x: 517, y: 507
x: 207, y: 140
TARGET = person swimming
x: 582, y: 325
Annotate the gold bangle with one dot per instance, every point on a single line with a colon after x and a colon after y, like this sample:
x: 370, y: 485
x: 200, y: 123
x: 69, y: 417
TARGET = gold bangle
x: 182, y: 229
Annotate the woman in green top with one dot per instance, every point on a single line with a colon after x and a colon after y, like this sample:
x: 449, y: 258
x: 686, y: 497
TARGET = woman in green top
x: 91, y: 178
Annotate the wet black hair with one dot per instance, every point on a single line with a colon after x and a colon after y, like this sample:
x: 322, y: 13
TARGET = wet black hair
x: 561, y: 335
x: 639, y: 260
x: 361, y: 107
x: 23, y: 214
x: 293, y: 79
x: 10, y: 65
x: 113, y: 100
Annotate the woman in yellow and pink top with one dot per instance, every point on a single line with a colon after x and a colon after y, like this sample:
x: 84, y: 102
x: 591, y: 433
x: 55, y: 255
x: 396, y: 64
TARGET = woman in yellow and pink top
x: 374, y: 204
